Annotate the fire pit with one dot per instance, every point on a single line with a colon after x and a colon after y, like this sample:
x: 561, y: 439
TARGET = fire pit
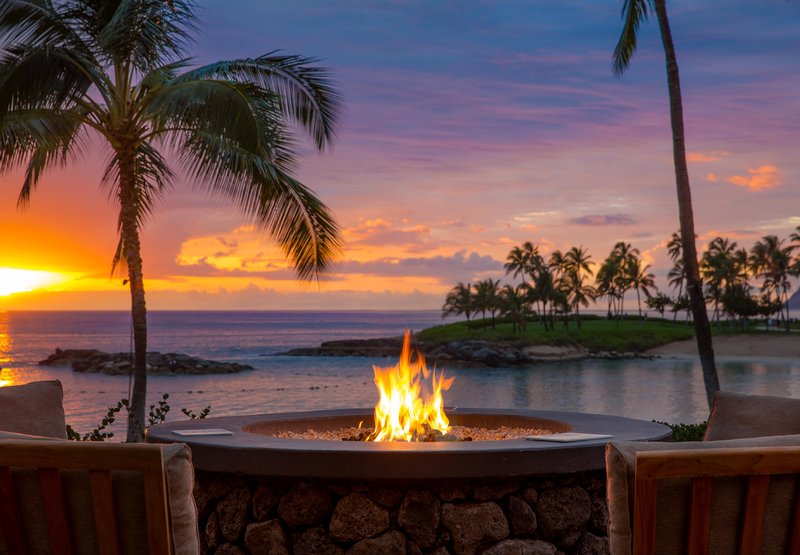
x: 273, y: 495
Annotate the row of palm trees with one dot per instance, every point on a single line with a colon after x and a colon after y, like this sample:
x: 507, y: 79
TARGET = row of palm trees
x: 737, y: 283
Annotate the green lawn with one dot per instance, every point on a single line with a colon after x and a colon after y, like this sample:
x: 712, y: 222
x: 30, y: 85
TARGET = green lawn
x: 595, y: 333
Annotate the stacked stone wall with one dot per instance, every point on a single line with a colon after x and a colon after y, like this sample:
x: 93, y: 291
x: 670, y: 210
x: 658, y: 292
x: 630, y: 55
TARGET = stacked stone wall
x: 536, y: 515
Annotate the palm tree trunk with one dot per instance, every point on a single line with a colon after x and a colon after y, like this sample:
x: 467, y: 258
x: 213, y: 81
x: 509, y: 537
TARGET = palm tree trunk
x: 130, y: 240
x: 639, y: 302
x: 702, y: 328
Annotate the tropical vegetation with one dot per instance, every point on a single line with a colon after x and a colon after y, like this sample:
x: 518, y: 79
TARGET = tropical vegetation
x: 77, y: 73
x: 739, y: 284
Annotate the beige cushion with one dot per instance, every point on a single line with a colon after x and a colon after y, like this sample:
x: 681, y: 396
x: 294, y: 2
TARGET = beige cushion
x: 129, y: 505
x: 34, y: 408
x: 673, y: 497
x: 735, y: 416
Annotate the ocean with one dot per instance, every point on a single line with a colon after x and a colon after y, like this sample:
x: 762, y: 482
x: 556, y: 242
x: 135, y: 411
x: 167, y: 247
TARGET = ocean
x: 668, y: 389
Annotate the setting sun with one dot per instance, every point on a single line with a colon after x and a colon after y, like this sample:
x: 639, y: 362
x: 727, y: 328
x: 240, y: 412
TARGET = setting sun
x: 13, y: 280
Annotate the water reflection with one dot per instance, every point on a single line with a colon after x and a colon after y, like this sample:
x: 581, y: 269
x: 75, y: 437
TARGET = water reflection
x: 6, y: 377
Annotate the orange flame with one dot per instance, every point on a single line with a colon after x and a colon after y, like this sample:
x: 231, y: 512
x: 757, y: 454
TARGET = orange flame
x: 407, y: 411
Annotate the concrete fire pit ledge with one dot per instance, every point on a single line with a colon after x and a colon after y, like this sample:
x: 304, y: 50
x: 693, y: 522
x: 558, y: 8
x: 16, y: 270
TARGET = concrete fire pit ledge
x: 251, y: 449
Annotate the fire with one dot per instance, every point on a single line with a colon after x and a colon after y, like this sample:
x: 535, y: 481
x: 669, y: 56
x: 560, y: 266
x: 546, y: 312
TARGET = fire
x: 408, y: 410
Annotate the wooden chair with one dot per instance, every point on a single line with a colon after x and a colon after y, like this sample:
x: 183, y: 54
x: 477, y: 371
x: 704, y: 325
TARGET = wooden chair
x: 49, y: 459
x: 701, y: 466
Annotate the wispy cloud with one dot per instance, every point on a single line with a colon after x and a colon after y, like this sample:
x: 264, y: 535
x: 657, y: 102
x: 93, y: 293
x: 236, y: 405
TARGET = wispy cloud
x: 761, y: 178
x: 712, y: 156
x: 605, y: 219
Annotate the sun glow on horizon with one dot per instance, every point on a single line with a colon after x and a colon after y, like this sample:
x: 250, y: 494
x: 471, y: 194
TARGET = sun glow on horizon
x: 15, y: 280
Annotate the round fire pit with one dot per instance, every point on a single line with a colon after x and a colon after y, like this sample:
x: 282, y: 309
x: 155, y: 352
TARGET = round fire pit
x: 251, y: 447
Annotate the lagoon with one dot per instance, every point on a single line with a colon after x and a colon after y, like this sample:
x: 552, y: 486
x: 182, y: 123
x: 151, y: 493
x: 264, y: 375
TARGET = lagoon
x: 668, y: 389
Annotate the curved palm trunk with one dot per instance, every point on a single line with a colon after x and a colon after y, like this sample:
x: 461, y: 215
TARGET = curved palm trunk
x: 702, y: 328
x: 130, y: 239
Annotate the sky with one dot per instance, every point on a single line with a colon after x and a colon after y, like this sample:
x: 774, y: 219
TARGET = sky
x: 468, y: 128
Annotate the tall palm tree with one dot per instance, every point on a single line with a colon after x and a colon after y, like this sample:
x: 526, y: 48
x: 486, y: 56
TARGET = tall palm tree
x: 578, y: 262
x: 676, y: 274
x: 517, y: 263
x: 114, y: 72
x: 634, y: 12
x: 459, y: 300
x: 640, y: 279
x: 771, y: 260
x: 514, y: 302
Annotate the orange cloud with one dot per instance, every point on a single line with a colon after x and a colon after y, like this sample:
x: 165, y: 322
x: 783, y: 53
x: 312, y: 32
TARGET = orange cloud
x: 711, y: 156
x: 761, y: 178
x: 712, y: 177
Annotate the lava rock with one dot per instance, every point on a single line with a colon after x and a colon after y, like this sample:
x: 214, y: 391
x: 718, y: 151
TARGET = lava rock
x: 522, y: 547
x: 265, y: 500
x: 232, y: 513
x: 304, y: 504
x: 386, y: 497
x: 562, y: 512
x: 493, y: 492
x: 589, y: 544
x: 213, y: 536
x: 229, y: 549
x: 316, y: 541
x: 473, y: 524
x: 266, y: 538
x: 599, y: 519
x: 522, y: 517
x: 390, y: 543
x: 357, y: 517
x: 419, y: 517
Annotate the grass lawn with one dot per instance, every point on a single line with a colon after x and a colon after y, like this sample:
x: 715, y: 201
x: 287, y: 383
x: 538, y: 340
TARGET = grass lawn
x: 595, y: 333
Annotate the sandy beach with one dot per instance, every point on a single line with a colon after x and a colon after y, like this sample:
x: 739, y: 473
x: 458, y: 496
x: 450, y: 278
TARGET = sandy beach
x: 758, y: 346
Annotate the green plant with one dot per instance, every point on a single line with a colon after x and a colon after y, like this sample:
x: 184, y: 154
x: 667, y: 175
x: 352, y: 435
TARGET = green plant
x: 687, y: 432
x: 158, y: 414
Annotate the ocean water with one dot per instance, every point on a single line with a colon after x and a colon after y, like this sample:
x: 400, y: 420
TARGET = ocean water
x: 668, y: 389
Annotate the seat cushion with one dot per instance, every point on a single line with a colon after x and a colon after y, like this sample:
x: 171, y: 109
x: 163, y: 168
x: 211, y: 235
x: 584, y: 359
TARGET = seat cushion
x: 33, y: 408
x: 735, y: 416
x: 673, y: 496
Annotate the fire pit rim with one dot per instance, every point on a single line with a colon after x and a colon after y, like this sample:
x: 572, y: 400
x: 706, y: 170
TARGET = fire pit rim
x: 250, y: 453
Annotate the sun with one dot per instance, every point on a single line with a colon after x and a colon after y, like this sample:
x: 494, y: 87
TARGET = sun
x: 13, y: 280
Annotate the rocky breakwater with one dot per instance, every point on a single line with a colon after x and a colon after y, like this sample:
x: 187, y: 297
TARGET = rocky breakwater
x: 93, y: 361
x: 468, y: 352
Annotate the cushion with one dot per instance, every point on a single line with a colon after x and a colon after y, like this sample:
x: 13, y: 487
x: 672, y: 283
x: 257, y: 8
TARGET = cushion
x: 33, y: 408
x: 673, y: 496
x: 129, y: 506
x: 735, y: 416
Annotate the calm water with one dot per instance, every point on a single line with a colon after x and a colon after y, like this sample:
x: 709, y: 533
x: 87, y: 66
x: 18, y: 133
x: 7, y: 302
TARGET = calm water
x: 664, y: 389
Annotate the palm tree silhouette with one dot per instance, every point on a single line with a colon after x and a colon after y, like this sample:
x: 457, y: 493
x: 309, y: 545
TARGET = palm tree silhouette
x: 459, y: 300
x: 640, y: 279
x: 634, y: 12
x: 116, y: 71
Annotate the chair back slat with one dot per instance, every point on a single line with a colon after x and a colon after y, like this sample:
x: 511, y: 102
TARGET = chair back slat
x: 644, y: 508
x: 755, y: 509
x: 701, y: 466
x: 99, y: 460
x: 155, y: 500
x: 55, y: 511
x: 700, y: 516
x: 105, y: 515
x: 9, y: 514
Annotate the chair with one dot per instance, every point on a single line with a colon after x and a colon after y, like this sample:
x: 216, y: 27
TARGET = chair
x: 702, y: 467
x: 736, y: 492
x: 105, y: 466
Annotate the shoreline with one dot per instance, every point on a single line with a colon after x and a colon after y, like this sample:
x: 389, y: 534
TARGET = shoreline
x: 484, y: 353
x: 768, y: 345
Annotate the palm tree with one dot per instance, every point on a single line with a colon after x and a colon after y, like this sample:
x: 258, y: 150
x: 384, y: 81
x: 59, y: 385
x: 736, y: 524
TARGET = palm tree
x: 676, y: 274
x: 517, y: 263
x: 719, y: 269
x: 640, y: 279
x: 486, y: 298
x: 459, y: 300
x: 633, y: 13
x: 773, y: 262
x: 115, y: 71
x: 514, y: 301
x: 578, y: 262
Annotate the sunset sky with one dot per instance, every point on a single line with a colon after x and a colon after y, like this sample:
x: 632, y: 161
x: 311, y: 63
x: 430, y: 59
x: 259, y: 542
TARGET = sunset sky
x: 469, y: 127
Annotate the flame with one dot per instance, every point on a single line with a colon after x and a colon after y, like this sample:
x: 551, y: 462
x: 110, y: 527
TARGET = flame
x: 407, y: 410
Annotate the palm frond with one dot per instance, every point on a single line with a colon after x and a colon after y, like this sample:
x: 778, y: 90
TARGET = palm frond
x: 306, y: 93
x: 269, y: 197
x: 144, y: 32
x: 633, y: 12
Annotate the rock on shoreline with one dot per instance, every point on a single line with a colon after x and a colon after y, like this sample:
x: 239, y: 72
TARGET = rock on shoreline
x: 467, y: 352
x: 92, y: 361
